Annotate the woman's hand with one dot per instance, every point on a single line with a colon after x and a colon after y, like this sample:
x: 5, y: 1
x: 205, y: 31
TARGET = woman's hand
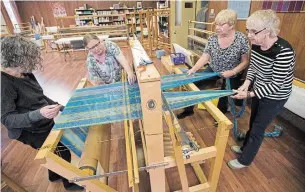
x: 240, y: 94
x: 191, y: 71
x: 244, y: 87
x: 131, y: 78
x: 228, y: 74
x: 50, y: 111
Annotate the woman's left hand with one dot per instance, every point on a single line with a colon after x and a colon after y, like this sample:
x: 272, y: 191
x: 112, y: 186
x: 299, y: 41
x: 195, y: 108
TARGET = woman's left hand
x: 240, y: 94
x: 228, y: 74
x: 131, y: 78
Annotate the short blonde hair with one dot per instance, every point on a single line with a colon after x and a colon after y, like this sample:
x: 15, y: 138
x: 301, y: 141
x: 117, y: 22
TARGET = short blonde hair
x: 264, y: 19
x: 89, y: 37
x: 226, y: 16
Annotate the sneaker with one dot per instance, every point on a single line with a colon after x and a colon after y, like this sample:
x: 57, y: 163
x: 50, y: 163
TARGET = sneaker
x: 74, y: 187
x: 71, y: 186
x: 185, y: 114
x: 234, y: 164
x: 54, y: 178
x: 236, y: 149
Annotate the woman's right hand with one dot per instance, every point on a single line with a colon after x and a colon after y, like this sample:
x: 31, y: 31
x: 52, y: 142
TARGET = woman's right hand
x: 244, y: 87
x: 50, y: 111
x: 191, y: 71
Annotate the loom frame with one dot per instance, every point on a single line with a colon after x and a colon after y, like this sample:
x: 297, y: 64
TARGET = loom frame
x: 152, y: 136
x: 223, y: 130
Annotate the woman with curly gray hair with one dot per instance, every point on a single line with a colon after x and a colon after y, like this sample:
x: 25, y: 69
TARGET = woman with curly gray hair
x: 25, y: 111
x: 270, y: 72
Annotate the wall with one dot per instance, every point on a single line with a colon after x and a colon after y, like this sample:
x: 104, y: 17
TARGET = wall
x: 43, y: 9
x: 292, y: 29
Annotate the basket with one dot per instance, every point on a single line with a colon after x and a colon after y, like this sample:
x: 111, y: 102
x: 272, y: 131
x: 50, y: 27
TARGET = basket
x: 177, y: 58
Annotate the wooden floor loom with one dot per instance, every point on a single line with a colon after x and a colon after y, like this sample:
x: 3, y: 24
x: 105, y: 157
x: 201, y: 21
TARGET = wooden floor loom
x: 153, y: 137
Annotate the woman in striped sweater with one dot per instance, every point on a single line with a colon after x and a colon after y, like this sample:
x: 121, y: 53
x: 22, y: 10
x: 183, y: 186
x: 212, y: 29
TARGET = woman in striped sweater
x: 270, y: 72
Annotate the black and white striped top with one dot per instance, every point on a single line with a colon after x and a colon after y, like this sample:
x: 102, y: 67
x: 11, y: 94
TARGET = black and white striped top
x: 271, y: 71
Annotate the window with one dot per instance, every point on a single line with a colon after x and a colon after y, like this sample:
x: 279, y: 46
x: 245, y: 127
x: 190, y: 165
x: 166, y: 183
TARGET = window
x: 11, y: 14
x: 178, y: 13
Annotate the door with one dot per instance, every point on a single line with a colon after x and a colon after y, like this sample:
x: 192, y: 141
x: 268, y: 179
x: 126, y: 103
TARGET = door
x: 181, y: 12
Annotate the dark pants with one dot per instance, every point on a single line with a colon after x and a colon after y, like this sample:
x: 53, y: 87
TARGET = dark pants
x: 263, y: 111
x: 36, y: 140
x: 235, y: 83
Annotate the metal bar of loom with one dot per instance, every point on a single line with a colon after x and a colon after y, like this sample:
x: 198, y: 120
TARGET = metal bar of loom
x: 153, y: 166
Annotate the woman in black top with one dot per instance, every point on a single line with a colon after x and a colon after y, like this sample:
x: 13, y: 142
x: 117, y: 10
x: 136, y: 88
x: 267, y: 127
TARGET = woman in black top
x: 271, y: 69
x: 25, y: 111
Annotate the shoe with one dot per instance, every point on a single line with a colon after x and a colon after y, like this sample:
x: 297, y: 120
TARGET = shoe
x: 234, y: 164
x: 236, y: 149
x: 73, y: 187
x: 54, y: 178
x: 185, y: 114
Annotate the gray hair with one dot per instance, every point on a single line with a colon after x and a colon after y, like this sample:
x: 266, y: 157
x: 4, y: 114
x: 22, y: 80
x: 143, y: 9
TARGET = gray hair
x: 264, y: 19
x: 17, y: 51
x: 89, y: 37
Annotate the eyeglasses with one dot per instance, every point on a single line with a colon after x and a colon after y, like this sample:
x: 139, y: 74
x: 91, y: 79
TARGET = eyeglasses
x: 219, y: 24
x: 93, y: 47
x: 253, y: 32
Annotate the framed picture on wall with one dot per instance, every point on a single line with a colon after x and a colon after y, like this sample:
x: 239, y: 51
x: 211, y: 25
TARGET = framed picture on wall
x: 139, y: 4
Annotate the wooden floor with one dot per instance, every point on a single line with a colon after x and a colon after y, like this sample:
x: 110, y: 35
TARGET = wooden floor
x: 279, y: 165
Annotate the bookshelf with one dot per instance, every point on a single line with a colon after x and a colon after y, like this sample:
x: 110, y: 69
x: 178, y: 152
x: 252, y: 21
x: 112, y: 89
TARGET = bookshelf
x: 83, y: 16
x: 123, y: 18
x: 102, y: 17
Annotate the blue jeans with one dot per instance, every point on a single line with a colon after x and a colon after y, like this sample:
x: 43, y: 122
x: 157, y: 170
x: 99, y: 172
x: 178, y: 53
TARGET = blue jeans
x: 263, y: 111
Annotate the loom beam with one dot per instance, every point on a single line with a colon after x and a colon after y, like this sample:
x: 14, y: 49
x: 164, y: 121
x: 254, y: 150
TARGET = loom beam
x: 95, y: 151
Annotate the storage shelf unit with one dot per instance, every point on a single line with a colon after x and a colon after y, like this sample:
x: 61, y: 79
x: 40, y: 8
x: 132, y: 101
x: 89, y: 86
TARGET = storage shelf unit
x: 83, y: 16
x: 102, y: 17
